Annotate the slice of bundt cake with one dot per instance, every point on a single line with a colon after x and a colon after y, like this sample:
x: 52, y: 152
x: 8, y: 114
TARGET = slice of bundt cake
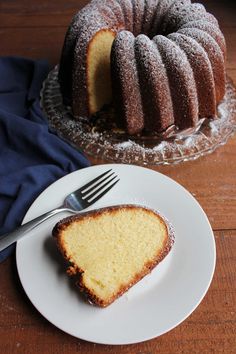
x: 160, y: 63
x: 111, y: 249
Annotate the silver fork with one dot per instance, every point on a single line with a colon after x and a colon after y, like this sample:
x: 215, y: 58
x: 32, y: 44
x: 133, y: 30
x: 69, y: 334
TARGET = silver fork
x: 78, y: 200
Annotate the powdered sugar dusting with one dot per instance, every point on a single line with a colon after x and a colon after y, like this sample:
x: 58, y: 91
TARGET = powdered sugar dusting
x: 211, y: 29
x: 118, y: 147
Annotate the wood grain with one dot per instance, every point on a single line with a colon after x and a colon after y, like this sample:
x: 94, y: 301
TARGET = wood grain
x: 36, y: 29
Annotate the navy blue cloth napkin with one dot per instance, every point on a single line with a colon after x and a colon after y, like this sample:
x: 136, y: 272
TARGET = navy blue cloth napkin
x: 31, y: 156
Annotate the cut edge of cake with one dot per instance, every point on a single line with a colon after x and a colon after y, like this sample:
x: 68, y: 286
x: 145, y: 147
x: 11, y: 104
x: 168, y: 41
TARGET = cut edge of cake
x: 87, y: 284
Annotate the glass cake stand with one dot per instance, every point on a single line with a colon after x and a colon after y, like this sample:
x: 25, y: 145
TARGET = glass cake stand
x: 113, y: 145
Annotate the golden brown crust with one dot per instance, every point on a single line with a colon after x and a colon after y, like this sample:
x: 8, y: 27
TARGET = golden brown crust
x: 77, y: 273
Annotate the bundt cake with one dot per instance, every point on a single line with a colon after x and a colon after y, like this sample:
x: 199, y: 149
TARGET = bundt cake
x: 159, y: 63
x: 111, y: 249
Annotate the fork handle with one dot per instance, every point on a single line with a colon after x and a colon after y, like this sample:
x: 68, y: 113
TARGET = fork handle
x: 11, y: 237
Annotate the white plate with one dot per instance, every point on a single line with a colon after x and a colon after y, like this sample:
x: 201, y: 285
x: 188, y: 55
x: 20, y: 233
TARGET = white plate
x: 160, y: 301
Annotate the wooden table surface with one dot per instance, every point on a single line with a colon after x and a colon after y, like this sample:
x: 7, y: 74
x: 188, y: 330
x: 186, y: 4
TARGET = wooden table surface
x: 36, y: 29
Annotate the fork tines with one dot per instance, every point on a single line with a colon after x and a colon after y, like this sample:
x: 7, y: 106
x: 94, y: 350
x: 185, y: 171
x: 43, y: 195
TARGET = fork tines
x: 99, y: 186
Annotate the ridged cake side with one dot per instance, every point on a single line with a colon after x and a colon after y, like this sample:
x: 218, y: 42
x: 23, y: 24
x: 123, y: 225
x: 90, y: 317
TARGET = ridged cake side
x: 202, y: 72
x: 125, y: 84
x: 193, y: 57
x: 178, y: 30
